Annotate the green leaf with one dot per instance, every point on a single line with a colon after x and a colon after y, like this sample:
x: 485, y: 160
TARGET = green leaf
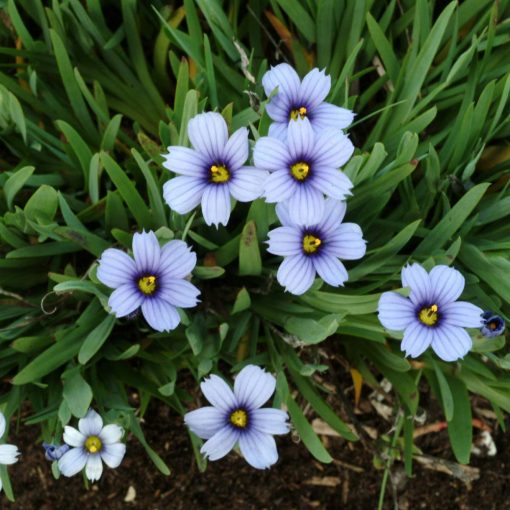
x: 42, y: 205
x: 15, y: 182
x: 311, y: 331
x: 95, y: 339
x: 306, y: 433
x: 460, y: 429
x: 128, y: 192
x: 242, y: 302
x: 77, y: 393
x: 445, y: 392
x: 250, y: 262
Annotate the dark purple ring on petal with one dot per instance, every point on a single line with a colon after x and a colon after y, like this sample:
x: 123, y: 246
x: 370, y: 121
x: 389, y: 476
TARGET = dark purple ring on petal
x: 429, y: 315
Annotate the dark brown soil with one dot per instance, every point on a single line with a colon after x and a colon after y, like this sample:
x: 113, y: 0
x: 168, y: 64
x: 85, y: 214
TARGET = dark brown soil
x: 296, y: 482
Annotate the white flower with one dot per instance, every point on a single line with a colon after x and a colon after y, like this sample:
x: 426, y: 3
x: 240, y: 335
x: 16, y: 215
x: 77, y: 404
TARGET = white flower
x: 8, y: 452
x: 91, y: 445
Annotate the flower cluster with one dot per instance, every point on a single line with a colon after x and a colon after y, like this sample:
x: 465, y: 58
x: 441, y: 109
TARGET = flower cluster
x: 8, y: 452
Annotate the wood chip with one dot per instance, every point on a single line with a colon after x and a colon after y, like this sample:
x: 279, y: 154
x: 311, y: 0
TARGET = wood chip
x: 323, y: 481
x: 130, y: 495
x: 466, y: 474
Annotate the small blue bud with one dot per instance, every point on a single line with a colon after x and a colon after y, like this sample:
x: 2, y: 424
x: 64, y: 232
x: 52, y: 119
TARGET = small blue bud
x: 53, y: 451
x: 493, y: 325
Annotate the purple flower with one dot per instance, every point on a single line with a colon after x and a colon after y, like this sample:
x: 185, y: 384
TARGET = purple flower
x: 212, y: 171
x: 493, y: 325
x: 237, y: 417
x: 154, y: 280
x: 315, y: 248
x: 92, y: 445
x: 304, y: 168
x: 55, y: 452
x: 301, y: 99
x: 431, y: 316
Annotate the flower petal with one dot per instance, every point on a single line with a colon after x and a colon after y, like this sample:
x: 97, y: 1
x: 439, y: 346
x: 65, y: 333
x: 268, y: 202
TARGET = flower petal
x: 218, y: 393
x: 146, y: 251
x: 330, y: 269
x: 347, y: 242
x: 284, y: 77
x: 417, y: 279
x: 179, y: 293
x: 177, y: 260
x: 396, y: 312
x: 417, y: 339
x: 253, y: 387
x: 300, y: 140
x: 296, y: 274
x: 91, y: 424
x: 112, y: 454
x: 278, y: 108
x: 270, y: 154
x: 73, y: 437
x: 446, y: 283
x: 332, y: 149
x: 258, y: 449
x: 115, y: 268
x: 111, y: 434
x: 278, y: 130
x: 314, y: 88
x: 333, y: 183
x: 216, y: 205
x: 462, y: 314
x: 334, y: 212
x: 206, y: 421
x: 451, y: 342
x: 183, y: 193
x: 270, y: 421
x: 328, y: 115
x: 247, y: 183
x: 208, y: 134
x: 282, y: 211
x: 73, y: 461
x: 3, y: 424
x: 125, y: 300
x: 220, y: 444
x: 306, y: 205
x: 185, y: 161
x: 8, y: 454
x: 160, y: 315
x: 285, y: 241
x: 237, y: 149
x: 279, y: 186
x: 94, y: 468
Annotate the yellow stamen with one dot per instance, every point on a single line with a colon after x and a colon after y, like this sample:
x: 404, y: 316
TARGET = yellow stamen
x: 239, y: 418
x: 219, y: 174
x: 300, y: 170
x: 298, y: 112
x: 147, y: 284
x: 93, y: 444
x: 429, y: 316
x: 311, y: 243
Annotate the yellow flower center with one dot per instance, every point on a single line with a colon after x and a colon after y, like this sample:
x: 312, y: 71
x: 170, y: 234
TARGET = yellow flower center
x: 93, y: 444
x: 300, y: 170
x: 298, y: 112
x: 429, y: 316
x: 311, y: 243
x: 239, y: 418
x: 147, y: 284
x: 219, y: 174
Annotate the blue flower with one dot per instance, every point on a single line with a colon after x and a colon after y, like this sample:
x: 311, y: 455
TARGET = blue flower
x: 493, y: 325
x: 154, y: 280
x: 237, y: 417
x: 54, y: 452
x: 212, y: 171
x: 8, y: 452
x: 431, y: 316
x: 315, y: 248
x: 301, y: 99
x: 92, y: 445
x: 304, y: 168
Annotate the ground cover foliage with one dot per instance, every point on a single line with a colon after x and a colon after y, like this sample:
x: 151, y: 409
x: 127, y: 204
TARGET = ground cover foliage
x: 91, y: 95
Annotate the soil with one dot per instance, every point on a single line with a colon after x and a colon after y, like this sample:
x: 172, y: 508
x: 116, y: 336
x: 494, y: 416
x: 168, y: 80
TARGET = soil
x: 296, y: 482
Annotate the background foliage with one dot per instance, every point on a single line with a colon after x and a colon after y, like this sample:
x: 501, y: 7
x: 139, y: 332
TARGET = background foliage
x: 91, y: 94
